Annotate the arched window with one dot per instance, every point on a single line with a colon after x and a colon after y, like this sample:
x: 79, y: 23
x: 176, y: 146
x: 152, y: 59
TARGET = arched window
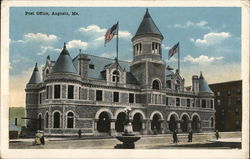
x: 116, y: 76
x: 56, y: 120
x: 156, y: 85
x: 47, y: 71
x: 47, y: 120
x: 177, y: 85
x: 70, y: 120
x: 212, y: 122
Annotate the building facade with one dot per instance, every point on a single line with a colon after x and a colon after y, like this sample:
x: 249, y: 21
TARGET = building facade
x: 228, y: 105
x: 90, y: 93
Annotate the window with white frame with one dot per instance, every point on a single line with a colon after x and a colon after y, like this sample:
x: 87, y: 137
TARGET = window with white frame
x: 70, y: 120
x: 115, y: 76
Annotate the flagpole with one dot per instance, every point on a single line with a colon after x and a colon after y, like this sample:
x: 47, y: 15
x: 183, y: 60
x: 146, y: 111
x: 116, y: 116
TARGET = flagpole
x: 179, y: 58
x: 117, y: 49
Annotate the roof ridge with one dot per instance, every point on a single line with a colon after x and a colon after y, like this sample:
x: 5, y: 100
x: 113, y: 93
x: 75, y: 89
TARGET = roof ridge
x: 104, y: 58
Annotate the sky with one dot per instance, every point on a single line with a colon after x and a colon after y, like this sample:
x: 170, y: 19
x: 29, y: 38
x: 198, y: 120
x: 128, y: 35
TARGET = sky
x: 209, y: 37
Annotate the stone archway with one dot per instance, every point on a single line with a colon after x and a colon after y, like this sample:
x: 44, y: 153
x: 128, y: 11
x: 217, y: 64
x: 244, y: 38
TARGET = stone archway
x: 103, y: 123
x: 137, y: 122
x: 195, y: 123
x: 120, y: 122
x: 184, y: 123
x: 173, y: 122
x: 156, y: 123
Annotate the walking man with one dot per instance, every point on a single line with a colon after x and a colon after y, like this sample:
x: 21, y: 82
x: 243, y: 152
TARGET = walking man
x: 190, y: 136
x: 79, y: 133
x: 175, y: 139
x: 217, y: 135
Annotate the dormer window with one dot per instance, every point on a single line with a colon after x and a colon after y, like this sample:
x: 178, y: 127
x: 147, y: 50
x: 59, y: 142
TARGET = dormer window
x: 91, y: 66
x: 115, y: 76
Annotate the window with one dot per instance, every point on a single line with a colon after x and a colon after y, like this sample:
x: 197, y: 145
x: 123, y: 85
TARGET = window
x: 177, y: 85
x: 40, y: 98
x: 57, y: 91
x: 70, y: 120
x: 79, y: 92
x: 229, y: 92
x: 91, y: 66
x: 177, y: 101
x: 229, y: 101
x: 218, y: 94
x: 131, y: 97
x: 212, y: 104
x: 138, y: 48
x: 47, y: 92
x: 212, y: 122
x: 98, y: 95
x: 166, y: 100
x: 156, y: 85
x: 203, y: 103
x: 155, y: 48
x: 70, y: 92
x: 188, y: 102
x: 238, y: 100
x: 222, y: 112
x: 116, y: 76
x: 218, y: 102
x: 237, y: 112
x: 47, y: 120
x: 56, y: 120
x: 115, y: 96
x: 238, y: 91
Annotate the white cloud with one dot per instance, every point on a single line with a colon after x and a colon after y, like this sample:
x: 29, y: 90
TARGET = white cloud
x: 125, y: 34
x: 202, y: 59
x: 37, y: 37
x: 211, y: 38
x: 45, y: 49
x: 201, y: 24
x: 108, y: 55
x: 164, y: 47
x: 77, y: 44
x: 92, y: 29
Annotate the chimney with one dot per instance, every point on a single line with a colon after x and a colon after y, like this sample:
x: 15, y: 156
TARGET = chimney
x: 195, y: 83
x: 83, y: 65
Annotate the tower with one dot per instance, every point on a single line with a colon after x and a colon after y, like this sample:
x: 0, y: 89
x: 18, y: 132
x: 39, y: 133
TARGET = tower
x: 148, y: 66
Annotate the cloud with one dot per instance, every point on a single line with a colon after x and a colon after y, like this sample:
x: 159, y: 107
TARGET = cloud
x: 45, y: 49
x: 108, y: 55
x: 211, y: 38
x: 92, y: 29
x: 37, y: 37
x: 125, y: 34
x: 164, y: 47
x: 202, y: 59
x: 201, y: 24
x: 77, y: 44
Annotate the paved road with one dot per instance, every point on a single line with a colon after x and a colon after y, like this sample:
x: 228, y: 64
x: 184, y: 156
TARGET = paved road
x: 146, y: 142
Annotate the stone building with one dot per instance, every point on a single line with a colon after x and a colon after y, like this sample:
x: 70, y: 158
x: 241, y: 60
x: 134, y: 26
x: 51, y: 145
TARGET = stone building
x: 90, y: 93
x: 228, y: 105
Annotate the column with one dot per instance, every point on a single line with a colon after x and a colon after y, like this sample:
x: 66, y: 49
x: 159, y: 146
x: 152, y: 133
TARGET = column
x: 95, y: 132
x: 112, y: 127
x: 189, y: 124
x: 162, y: 126
x: 145, y: 127
x: 199, y: 126
x: 178, y: 126
x: 167, y: 127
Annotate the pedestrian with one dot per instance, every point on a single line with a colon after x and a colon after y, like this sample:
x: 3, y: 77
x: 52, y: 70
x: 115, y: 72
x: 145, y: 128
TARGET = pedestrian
x: 217, y: 135
x: 190, y: 136
x: 42, y: 139
x: 38, y: 138
x: 79, y: 133
x: 175, y: 136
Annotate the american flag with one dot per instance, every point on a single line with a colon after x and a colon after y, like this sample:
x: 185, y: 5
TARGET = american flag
x: 173, y: 50
x: 111, y: 32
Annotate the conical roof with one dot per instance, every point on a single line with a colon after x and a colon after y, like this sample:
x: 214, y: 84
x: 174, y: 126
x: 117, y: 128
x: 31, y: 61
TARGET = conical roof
x: 148, y: 26
x: 35, y: 77
x: 64, y: 63
x: 203, y: 86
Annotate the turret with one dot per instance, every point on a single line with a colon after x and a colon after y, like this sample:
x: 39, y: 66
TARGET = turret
x: 203, y: 86
x: 64, y: 63
x: 35, y: 77
x: 147, y: 40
